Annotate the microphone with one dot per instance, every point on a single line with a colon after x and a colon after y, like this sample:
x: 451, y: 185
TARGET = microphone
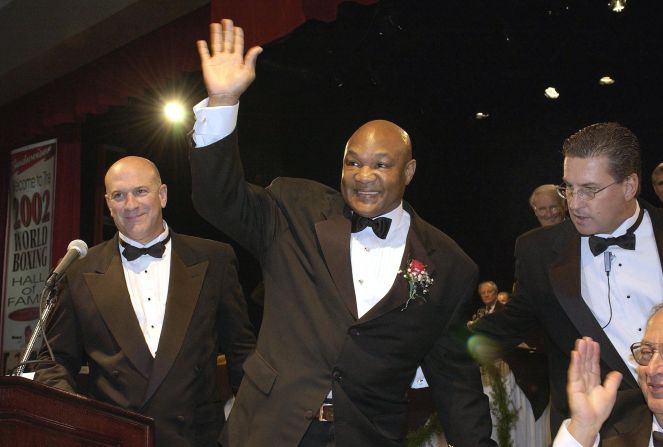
x: 76, y: 249
x: 607, y: 261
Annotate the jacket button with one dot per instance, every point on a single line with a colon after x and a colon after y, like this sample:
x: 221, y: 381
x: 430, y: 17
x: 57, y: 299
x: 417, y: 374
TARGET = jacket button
x: 309, y: 414
x: 115, y: 373
x: 180, y: 418
x: 354, y: 332
x: 337, y: 375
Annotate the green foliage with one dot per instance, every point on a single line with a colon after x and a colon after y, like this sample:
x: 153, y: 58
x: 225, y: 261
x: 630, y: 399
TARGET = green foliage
x: 500, y: 405
x: 424, y: 433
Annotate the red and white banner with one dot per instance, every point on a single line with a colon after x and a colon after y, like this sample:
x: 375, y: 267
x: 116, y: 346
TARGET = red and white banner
x: 28, y: 242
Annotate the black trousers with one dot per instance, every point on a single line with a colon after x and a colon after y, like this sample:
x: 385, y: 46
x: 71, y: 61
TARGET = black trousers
x: 319, y: 434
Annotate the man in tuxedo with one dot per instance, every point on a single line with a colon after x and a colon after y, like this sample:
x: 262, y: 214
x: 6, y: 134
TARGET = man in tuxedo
x: 488, y: 293
x: 359, y: 290
x: 590, y: 401
x: 597, y: 274
x: 148, y: 312
x: 549, y: 208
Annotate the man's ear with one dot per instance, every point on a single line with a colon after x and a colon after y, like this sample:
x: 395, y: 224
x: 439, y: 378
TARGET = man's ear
x: 410, y: 167
x: 631, y: 186
x: 163, y: 195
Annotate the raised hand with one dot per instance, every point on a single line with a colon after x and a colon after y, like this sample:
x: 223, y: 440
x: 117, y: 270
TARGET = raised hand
x: 590, y: 402
x: 226, y: 70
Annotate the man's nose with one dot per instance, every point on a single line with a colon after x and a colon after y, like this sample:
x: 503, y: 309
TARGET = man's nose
x: 571, y: 201
x: 656, y: 364
x: 131, y: 201
x: 365, y: 174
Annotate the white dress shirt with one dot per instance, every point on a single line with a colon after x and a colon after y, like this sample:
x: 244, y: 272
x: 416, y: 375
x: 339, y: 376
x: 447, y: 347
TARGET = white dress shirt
x: 375, y: 261
x: 636, y: 285
x: 213, y: 123
x: 147, y: 280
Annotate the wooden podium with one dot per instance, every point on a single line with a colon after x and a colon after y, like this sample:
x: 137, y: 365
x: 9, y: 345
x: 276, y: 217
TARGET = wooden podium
x: 35, y: 415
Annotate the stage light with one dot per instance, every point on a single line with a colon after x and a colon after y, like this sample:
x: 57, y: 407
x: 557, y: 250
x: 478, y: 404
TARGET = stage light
x: 606, y: 80
x: 174, y: 112
x: 551, y: 93
x: 617, y: 5
x: 481, y: 115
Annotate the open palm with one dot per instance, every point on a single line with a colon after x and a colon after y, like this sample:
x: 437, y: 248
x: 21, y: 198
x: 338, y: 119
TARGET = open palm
x: 226, y: 70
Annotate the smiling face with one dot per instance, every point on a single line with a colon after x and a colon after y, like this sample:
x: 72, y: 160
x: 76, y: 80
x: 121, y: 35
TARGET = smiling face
x: 135, y: 197
x: 548, y: 207
x: 610, y: 207
x: 650, y: 377
x: 377, y: 166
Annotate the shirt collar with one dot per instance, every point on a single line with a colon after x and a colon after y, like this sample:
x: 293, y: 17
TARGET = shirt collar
x: 396, y: 215
x: 160, y: 237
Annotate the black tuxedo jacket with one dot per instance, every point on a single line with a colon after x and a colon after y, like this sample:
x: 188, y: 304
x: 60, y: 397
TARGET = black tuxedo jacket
x: 94, y: 322
x: 634, y: 430
x: 548, y: 295
x: 311, y: 339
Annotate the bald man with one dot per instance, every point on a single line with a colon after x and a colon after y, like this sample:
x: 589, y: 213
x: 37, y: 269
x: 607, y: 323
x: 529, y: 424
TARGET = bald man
x: 149, y: 311
x: 359, y: 290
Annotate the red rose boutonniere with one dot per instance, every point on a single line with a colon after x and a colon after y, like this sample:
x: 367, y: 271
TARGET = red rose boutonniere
x: 419, y: 281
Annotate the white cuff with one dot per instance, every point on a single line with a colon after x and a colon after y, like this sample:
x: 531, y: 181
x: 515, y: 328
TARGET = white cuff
x: 213, y: 123
x: 565, y: 439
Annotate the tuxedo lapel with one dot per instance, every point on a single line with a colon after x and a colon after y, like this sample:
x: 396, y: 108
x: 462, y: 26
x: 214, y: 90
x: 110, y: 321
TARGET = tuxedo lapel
x: 633, y: 431
x: 183, y: 292
x: 334, y: 237
x: 399, y: 292
x: 109, y: 291
x: 565, y: 281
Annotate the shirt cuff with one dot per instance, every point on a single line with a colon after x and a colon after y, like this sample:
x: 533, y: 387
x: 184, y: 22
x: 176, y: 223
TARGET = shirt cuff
x: 565, y: 439
x: 213, y: 123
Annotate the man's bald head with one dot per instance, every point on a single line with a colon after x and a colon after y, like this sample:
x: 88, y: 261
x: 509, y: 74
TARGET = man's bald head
x: 383, y: 130
x: 133, y: 162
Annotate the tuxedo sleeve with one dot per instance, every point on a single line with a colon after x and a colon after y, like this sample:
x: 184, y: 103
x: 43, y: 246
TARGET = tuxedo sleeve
x: 510, y: 326
x: 245, y: 212
x: 65, y: 339
x: 236, y: 337
x: 454, y: 376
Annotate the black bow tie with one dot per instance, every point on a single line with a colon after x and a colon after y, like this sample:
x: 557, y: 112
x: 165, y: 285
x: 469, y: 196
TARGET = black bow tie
x: 626, y: 241
x: 379, y: 225
x: 657, y: 436
x: 155, y: 250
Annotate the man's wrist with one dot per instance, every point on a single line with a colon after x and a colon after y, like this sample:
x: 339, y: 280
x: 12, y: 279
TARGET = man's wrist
x: 222, y: 100
x: 583, y: 433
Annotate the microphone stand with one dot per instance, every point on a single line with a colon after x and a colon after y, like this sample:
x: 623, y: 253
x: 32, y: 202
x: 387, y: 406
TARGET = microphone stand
x: 51, y: 301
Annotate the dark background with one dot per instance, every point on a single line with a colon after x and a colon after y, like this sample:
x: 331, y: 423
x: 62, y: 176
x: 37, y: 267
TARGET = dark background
x: 429, y: 66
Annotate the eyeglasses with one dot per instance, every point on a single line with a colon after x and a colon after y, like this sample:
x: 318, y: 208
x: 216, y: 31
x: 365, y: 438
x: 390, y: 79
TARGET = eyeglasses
x: 544, y: 209
x: 566, y: 192
x: 643, y: 352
